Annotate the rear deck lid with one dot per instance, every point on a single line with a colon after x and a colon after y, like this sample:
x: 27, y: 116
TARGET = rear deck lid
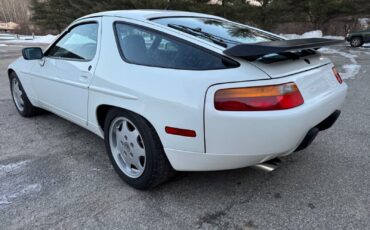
x: 286, y: 67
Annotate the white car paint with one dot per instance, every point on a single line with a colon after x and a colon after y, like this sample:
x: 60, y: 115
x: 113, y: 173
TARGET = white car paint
x: 183, y: 98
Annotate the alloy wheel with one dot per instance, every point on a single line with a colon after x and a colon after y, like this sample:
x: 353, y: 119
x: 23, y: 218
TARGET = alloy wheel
x: 17, y: 94
x: 127, y: 146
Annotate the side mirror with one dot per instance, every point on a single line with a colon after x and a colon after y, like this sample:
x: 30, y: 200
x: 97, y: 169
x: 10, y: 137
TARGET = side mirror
x: 33, y: 53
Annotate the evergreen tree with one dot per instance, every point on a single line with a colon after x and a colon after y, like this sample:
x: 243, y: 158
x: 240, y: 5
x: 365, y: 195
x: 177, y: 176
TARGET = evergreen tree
x: 57, y: 14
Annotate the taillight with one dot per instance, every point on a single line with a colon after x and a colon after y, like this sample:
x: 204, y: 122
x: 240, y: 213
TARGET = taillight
x: 337, y: 75
x: 260, y: 98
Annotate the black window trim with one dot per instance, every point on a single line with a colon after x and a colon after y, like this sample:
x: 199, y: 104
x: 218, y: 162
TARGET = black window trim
x: 65, y: 33
x: 183, y: 16
x: 237, y: 64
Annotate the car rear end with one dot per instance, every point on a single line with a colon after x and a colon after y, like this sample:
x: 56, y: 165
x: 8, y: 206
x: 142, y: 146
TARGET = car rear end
x: 247, y: 122
x: 270, y: 118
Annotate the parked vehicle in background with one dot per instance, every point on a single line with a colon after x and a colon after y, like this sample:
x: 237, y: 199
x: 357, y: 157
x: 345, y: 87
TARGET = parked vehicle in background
x: 358, y: 38
x: 182, y: 91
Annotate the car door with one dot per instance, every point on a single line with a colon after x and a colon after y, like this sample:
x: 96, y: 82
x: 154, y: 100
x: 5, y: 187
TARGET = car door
x: 367, y: 36
x: 62, y: 78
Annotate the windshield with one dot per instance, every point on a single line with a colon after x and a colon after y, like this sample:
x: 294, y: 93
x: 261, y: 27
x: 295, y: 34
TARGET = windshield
x: 229, y: 32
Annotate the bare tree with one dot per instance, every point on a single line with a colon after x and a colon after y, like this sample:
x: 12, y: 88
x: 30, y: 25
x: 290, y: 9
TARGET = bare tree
x: 14, y: 10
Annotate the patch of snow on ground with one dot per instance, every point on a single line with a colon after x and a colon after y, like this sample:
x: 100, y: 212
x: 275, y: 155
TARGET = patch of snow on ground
x: 334, y: 37
x: 4, y: 169
x: 352, y: 57
x: 350, y: 70
x: 3, y: 45
x: 47, y: 39
x: 44, y: 39
x: 311, y: 34
x: 32, y: 188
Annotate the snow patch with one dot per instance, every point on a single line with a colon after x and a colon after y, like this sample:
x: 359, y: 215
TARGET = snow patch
x: 311, y: 34
x: 352, y: 57
x: 37, y: 39
x: 32, y: 188
x: 4, y: 169
x: 3, y: 45
x: 44, y: 39
x: 350, y: 70
x: 334, y: 37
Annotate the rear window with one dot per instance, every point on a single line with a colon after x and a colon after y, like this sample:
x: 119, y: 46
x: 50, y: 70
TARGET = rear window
x: 143, y: 46
x: 229, y: 32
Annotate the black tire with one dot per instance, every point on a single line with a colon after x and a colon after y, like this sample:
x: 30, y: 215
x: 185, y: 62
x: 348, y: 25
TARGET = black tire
x: 356, y: 42
x: 157, y: 167
x: 28, y: 110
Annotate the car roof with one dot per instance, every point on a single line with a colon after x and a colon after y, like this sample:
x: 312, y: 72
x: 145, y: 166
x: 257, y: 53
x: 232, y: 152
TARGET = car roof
x: 144, y: 15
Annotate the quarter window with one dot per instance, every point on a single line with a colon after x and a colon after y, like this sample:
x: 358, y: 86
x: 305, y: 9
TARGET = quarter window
x: 80, y: 43
x: 143, y: 46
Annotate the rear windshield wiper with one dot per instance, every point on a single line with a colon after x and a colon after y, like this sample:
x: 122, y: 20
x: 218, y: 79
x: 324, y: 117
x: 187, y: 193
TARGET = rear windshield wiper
x: 198, y: 32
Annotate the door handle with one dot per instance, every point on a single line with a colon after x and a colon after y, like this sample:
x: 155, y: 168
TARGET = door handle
x: 85, y: 75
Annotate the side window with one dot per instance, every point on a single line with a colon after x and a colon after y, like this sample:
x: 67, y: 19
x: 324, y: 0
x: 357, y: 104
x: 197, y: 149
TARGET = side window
x: 79, y: 43
x: 147, y: 47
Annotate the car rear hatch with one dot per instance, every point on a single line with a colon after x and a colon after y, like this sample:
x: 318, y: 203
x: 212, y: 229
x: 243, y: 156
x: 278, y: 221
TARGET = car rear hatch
x: 278, y: 66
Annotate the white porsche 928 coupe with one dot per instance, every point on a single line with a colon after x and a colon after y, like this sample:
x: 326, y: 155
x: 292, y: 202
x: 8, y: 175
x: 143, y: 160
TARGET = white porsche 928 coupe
x: 181, y: 91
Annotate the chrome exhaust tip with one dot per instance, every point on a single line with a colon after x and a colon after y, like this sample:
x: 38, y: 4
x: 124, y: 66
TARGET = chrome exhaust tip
x: 268, y: 166
x: 265, y: 167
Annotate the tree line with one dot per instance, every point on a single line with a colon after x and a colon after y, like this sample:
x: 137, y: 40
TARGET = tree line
x: 267, y: 14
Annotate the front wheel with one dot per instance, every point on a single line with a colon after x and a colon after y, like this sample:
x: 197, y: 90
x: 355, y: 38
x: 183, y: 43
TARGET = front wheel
x: 20, y: 99
x: 356, y: 42
x: 135, y: 150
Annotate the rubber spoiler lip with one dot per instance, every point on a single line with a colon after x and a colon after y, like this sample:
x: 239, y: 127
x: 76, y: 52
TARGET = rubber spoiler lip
x: 256, y: 50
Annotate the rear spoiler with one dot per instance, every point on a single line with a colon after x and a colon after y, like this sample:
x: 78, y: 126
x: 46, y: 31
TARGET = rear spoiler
x: 254, y: 51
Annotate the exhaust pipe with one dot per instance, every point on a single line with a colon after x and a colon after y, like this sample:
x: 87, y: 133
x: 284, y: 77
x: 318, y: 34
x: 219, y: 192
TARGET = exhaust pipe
x: 268, y: 166
x: 265, y: 167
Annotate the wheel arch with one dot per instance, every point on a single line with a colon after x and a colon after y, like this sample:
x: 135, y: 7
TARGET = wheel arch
x: 103, y: 109
x: 10, y: 71
x: 358, y: 36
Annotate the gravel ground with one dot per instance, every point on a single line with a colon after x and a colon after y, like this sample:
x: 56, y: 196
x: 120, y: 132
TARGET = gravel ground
x: 54, y: 174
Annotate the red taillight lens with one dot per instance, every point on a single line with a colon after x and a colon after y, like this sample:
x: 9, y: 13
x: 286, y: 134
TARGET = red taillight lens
x: 260, y: 98
x: 337, y: 75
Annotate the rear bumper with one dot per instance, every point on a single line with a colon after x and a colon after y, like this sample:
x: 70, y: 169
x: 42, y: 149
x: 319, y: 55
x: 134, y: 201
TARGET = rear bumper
x: 269, y: 135
x: 312, y: 133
